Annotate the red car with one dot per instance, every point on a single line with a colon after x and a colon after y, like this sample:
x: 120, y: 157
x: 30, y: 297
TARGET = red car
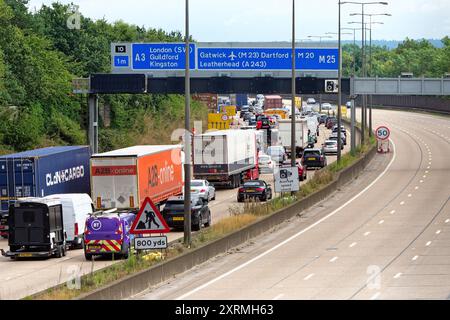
x: 302, y: 172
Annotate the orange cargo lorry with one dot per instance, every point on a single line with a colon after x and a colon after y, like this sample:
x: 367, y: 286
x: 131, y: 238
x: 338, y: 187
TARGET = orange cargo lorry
x: 123, y: 178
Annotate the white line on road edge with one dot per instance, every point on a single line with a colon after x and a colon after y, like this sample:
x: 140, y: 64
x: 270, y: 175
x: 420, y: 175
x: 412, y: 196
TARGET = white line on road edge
x: 375, y: 296
x: 428, y: 243
x: 447, y: 221
x: 415, y: 258
x: 381, y: 222
x: 392, y: 212
x: 226, y: 274
x: 334, y: 259
x: 353, y: 244
x: 439, y: 231
x: 281, y: 295
x: 366, y: 234
x: 398, y: 275
x: 309, y: 277
x: 402, y: 203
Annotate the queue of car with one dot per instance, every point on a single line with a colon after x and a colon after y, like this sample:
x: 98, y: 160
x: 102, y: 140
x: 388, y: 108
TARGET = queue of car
x: 101, y: 224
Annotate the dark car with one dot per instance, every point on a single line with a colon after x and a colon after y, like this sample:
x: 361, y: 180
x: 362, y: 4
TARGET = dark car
x: 250, y: 118
x: 173, y: 213
x: 314, y: 158
x: 322, y: 118
x: 330, y: 122
x: 255, y: 189
x: 244, y: 110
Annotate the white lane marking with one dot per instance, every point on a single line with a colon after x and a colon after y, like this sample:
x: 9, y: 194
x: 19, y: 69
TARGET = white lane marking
x: 425, y: 176
x: 333, y: 259
x: 375, y: 296
x: 226, y: 274
x: 409, y: 195
x: 353, y: 244
x: 366, y: 234
x: 429, y: 163
x: 381, y: 222
x: 398, y: 275
x: 415, y: 258
x: 447, y: 221
x: 421, y: 181
x: 427, y: 171
x: 428, y: 167
x: 428, y: 243
x: 438, y: 232
x: 416, y: 187
x: 402, y: 203
x: 281, y: 295
x: 309, y: 277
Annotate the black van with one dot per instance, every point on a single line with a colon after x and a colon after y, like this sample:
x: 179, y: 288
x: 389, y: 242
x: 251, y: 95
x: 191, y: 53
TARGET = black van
x: 36, y: 229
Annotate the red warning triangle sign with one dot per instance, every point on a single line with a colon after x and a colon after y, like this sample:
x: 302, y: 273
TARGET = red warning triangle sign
x: 149, y: 220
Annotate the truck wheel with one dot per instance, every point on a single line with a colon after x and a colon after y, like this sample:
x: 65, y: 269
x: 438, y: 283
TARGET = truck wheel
x: 59, y: 251
x: 88, y: 256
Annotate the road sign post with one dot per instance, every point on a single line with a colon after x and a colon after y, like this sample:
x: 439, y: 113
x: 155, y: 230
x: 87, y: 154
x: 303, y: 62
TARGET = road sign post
x: 382, y: 134
x: 286, y: 179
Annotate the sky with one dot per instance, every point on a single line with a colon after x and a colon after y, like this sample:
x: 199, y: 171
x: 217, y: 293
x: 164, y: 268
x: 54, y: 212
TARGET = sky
x: 270, y: 20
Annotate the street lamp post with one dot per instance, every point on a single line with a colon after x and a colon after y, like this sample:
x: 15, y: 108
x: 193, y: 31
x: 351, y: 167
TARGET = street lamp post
x: 293, y: 109
x: 187, y: 138
x: 363, y: 109
x: 370, y: 57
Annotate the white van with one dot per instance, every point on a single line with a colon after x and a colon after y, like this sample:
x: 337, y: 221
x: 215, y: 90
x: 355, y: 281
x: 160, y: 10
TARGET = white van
x: 76, y: 208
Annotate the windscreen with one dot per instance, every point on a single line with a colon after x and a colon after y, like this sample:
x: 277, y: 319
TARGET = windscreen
x: 253, y: 184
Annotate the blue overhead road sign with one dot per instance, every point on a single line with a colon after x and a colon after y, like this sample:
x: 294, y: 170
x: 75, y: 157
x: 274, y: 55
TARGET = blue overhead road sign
x: 161, y: 56
x: 266, y: 58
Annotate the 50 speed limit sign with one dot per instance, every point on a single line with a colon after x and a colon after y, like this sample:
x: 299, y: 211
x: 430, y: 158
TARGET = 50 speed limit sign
x: 383, y: 133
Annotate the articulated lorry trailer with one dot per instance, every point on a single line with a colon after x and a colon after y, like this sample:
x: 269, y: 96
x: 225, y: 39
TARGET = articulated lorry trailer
x: 123, y: 178
x: 301, y: 135
x: 227, y: 157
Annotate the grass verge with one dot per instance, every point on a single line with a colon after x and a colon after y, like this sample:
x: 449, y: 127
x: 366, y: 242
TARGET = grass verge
x: 240, y: 217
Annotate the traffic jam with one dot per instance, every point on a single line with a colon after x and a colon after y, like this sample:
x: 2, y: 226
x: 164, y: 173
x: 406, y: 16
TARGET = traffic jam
x: 64, y: 198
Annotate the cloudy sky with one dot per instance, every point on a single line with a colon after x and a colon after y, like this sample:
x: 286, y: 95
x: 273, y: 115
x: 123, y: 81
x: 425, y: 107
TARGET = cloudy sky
x: 270, y: 20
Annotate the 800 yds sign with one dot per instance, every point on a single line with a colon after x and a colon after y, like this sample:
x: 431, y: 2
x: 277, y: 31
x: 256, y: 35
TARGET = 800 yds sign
x: 150, y: 243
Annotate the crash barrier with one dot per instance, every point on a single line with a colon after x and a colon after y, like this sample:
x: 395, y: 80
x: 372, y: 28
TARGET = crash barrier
x: 141, y: 281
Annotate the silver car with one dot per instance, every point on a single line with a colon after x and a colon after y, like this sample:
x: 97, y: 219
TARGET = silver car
x: 330, y: 147
x: 203, y: 189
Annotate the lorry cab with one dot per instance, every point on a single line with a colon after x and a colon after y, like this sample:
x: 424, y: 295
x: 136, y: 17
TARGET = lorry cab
x: 76, y: 209
x: 108, y: 234
x: 36, y: 229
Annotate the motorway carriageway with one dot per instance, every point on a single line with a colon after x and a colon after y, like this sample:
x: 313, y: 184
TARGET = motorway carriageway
x: 25, y: 277
x: 385, y: 235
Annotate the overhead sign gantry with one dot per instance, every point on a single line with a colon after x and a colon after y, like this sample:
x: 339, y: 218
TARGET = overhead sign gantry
x: 232, y: 59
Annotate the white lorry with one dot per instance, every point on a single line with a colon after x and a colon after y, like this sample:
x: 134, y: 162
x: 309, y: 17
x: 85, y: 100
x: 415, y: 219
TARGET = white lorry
x: 226, y: 157
x: 301, y: 135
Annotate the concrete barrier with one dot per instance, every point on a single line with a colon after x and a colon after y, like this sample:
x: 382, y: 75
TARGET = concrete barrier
x: 136, y: 283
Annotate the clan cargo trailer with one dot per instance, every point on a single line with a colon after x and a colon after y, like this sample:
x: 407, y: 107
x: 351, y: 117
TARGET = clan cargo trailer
x: 123, y: 178
x: 226, y: 158
x: 42, y: 172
